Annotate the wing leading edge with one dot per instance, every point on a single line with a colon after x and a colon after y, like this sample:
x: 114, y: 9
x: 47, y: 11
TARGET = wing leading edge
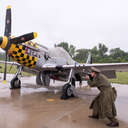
x: 120, y: 67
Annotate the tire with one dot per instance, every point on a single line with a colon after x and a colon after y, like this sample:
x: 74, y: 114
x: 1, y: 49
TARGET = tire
x: 43, y: 79
x: 66, y: 92
x: 15, y: 83
x: 46, y: 80
x: 38, y: 79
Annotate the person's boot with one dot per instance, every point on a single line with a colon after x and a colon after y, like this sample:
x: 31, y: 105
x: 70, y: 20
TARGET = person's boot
x: 113, y: 124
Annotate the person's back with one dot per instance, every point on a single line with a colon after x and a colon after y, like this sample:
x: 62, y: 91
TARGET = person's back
x: 102, y: 82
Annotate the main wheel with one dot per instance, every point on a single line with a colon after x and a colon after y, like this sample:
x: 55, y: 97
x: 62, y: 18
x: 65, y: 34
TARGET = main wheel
x: 38, y: 79
x: 46, y: 79
x: 43, y: 79
x: 15, y: 83
x: 67, y: 92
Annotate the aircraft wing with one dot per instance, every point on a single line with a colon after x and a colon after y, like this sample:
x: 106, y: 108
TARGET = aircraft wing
x: 107, y: 69
x: 103, y: 66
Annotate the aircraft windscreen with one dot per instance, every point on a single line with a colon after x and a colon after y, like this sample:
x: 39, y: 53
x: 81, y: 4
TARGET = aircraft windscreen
x: 60, y: 52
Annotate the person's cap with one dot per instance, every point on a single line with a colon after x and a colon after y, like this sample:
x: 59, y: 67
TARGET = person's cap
x: 93, y: 69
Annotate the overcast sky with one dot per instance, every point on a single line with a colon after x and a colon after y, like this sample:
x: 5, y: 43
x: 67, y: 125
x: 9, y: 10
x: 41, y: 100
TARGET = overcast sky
x: 83, y: 23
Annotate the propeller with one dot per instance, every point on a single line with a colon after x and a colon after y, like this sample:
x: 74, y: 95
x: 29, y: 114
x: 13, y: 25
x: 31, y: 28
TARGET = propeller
x: 7, y: 33
x: 8, y: 22
x: 5, y: 68
x: 23, y: 38
x: 6, y: 41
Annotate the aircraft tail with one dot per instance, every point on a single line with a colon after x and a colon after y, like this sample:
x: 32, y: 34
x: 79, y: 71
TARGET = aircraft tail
x: 89, y: 59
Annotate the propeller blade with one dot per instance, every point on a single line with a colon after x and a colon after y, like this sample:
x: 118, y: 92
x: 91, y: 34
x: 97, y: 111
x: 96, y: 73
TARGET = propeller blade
x: 8, y: 22
x: 23, y: 38
x: 7, y: 33
x: 5, y: 69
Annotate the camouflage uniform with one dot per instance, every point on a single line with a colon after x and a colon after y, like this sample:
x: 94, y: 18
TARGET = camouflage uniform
x: 103, y: 104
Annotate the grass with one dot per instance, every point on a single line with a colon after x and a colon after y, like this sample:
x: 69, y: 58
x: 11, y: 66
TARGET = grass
x: 122, y: 78
x: 13, y: 70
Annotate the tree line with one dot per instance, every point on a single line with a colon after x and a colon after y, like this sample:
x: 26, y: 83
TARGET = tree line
x: 100, y: 53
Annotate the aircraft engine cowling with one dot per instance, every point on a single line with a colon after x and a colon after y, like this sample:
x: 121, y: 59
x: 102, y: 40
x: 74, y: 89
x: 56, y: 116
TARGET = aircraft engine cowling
x: 43, y: 79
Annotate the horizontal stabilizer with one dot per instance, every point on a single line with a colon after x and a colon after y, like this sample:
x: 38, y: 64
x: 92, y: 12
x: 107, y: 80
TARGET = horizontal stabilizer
x: 111, y: 74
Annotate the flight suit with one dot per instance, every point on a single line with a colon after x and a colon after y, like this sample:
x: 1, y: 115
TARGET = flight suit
x: 103, y: 104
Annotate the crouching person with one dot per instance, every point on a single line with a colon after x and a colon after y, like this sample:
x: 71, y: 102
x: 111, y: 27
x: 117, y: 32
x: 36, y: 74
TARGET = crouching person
x: 103, y: 105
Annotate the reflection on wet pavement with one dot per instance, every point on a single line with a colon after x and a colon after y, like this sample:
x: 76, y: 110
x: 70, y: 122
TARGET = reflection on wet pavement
x: 38, y: 107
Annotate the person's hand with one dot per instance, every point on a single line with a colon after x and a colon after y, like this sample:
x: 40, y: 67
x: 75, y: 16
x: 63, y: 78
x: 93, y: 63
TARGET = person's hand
x: 87, y: 77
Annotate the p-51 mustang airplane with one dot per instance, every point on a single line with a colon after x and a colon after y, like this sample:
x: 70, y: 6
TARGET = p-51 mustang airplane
x: 47, y: 63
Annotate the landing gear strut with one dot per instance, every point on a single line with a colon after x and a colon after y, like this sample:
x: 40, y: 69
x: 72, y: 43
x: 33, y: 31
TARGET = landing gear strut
x: 68, y: 89
x: 15, y: 82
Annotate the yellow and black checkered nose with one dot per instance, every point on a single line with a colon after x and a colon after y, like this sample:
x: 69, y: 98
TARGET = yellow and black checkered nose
x: 4, y: 43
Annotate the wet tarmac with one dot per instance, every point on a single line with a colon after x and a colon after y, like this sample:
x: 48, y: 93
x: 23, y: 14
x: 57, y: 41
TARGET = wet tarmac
x: 34, y: 106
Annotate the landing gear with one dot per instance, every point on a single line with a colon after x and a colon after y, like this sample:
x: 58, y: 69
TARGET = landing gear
x: 67, y: 92
x: 68, y: 89
x: 46, y: 79
x: 38, y: 79
x: 43, y: 78
x: 15, y: 82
